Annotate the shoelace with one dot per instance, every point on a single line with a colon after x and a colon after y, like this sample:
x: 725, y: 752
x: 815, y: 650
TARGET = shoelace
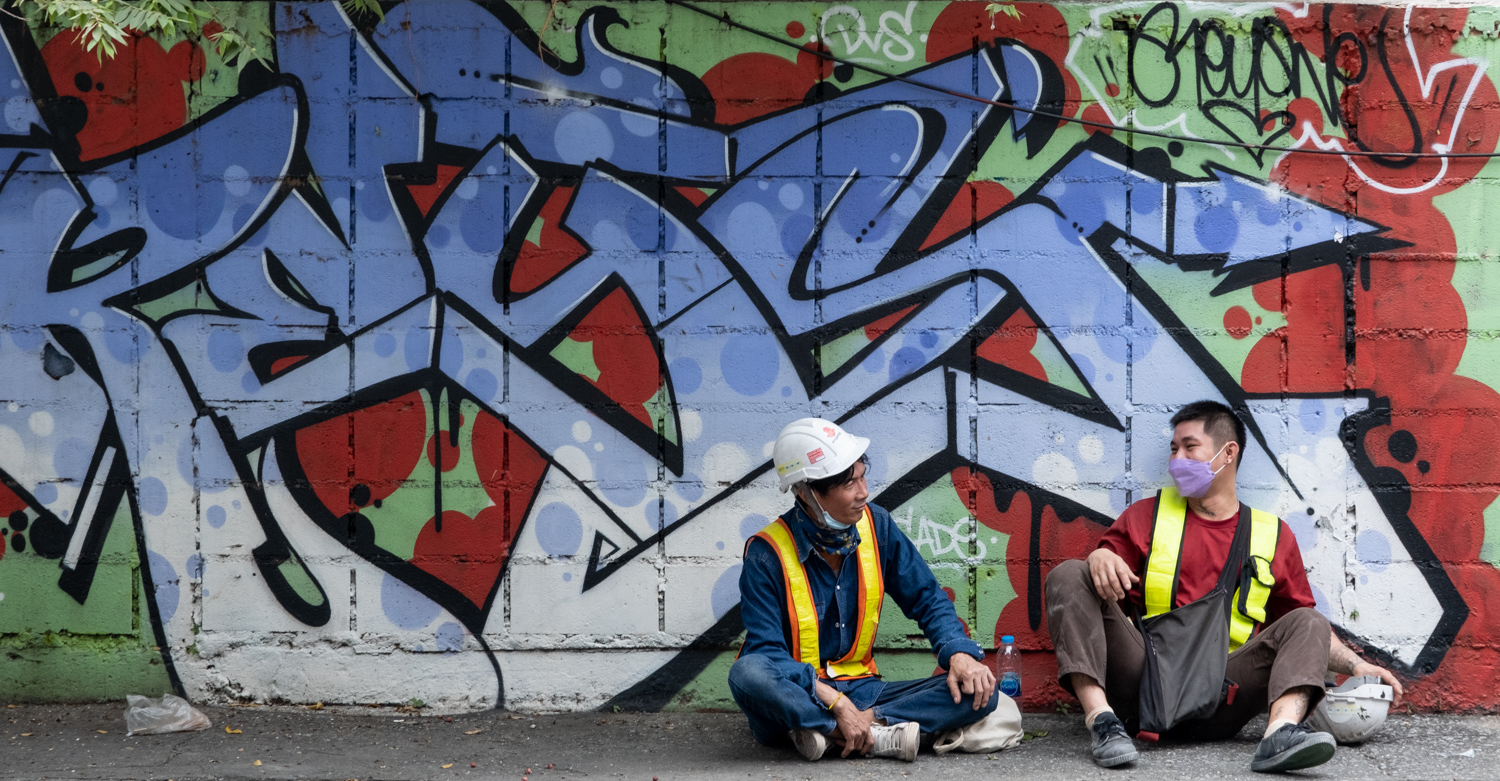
x: 1104, y: 726
x: 1110, y: 727
x: 1290, y: 732
x: 887, y: 738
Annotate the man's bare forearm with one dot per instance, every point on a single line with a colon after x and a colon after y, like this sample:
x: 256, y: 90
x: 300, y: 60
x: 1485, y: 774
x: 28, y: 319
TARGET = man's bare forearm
x: 1341, y: 660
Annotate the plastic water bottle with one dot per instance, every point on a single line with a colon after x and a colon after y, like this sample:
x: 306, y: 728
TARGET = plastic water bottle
x: 1010, y: 668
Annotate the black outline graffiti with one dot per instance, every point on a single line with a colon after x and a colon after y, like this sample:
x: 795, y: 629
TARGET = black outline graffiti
x: 1291, y: 56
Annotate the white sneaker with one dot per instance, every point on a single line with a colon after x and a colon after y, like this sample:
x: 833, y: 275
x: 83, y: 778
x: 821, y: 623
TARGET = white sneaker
x: 898, y: 741
x: 810, y: 743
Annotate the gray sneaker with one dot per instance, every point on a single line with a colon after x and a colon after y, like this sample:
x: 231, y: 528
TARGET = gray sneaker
x: 1293, y: 747
x: 898, y: 741
x: 1111, y: 746
x: 810, y: 743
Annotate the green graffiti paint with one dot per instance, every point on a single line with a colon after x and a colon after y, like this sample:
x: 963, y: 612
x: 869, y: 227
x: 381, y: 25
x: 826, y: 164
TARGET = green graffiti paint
x: 56, y: 649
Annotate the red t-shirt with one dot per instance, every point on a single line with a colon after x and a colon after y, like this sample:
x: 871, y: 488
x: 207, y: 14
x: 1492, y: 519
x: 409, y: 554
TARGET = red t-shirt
x: 1205, y: 546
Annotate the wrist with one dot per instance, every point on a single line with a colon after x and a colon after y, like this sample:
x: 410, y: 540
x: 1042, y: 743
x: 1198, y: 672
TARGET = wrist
x: 960, y: 660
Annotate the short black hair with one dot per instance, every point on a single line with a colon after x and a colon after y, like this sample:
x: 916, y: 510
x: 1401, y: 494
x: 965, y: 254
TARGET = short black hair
x: 1219, y: 421
x: 822, y: 485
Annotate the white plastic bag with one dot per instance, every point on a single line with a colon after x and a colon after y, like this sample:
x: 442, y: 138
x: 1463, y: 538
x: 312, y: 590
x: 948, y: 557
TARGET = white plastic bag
x: 145, y: 716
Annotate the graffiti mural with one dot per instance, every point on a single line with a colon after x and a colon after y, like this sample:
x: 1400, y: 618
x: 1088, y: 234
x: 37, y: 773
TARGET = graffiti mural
x: 439, y: 357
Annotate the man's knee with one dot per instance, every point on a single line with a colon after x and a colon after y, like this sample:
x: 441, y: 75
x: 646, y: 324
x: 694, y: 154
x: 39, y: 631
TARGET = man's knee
x: 1066, y: 577
x: 1306, y: 619
x: 751, y: 676
x: 963, y: 712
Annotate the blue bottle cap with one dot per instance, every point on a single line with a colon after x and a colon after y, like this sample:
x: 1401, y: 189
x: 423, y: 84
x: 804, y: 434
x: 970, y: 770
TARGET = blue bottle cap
x: 1008, y: 639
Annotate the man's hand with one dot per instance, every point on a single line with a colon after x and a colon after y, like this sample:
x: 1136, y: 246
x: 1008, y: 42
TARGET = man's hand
x: 1343, y: 661
x: 967, y: 675
x: 1112, y: 579
x: 1386, y: 677
x: 853, y: 727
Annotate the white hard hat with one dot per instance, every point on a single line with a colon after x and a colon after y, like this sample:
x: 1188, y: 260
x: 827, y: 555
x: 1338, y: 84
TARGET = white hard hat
x: 1354, y: 711
x: 814, y: 448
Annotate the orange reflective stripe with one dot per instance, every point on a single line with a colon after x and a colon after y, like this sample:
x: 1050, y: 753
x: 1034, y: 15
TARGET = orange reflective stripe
x: 871, y: 598
x: 801, y: 610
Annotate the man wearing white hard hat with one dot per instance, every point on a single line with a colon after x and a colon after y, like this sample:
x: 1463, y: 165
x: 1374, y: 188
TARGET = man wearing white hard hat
x: 810, y: 596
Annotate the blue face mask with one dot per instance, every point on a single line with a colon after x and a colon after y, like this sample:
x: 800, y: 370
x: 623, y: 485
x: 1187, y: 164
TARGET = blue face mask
x: 827, y: 534
x: 827, y: 519
x: 832, y: 524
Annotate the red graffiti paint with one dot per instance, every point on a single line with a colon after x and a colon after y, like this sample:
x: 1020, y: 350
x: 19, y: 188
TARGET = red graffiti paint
x: 425, y: 195
x: 1040, y: 26
x: 284, y: 364
x: 974, y: 203
x: 1237, y: 322
x: 1410, y: 327
x: 1010, y: 512
x: 376, y: 447
x: 693, y: 194
x: 537, y: 264
x: 623, y: 352
x: 878, y: 328
x: 1011, y: 345
x: 1096, y: 113
x: 357, y: 460
x: 510, y: 469
x: 445, y: 444
x: 10, y: 501
x: 133, y: 98
x: 468, y: 554
x: 751, y: 85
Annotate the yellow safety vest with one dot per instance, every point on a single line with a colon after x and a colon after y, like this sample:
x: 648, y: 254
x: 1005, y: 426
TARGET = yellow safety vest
x: 802, y: 611
x: 1160, y: 586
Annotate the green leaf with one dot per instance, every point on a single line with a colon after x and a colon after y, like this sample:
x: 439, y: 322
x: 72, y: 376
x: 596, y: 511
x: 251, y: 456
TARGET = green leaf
x: 104, y: 25
x: 365, y: 6
x: 1003, y: 8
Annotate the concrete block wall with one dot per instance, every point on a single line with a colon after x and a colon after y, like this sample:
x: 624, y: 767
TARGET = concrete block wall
x: 439, y: 358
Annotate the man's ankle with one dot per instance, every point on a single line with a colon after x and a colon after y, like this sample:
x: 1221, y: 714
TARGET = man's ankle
x: 1276, y: 725
x: 1088, y: 719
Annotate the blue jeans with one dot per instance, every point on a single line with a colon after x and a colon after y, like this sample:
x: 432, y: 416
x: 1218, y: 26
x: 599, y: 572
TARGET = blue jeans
x: 777, y: 698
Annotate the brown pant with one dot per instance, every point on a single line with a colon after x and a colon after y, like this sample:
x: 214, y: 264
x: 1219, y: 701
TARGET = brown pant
x: 1093, y: 636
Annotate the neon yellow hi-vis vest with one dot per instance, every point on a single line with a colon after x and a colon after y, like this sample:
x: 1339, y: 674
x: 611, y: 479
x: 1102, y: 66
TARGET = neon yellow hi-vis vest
x: 802, y: 610
x: 1160, y: 586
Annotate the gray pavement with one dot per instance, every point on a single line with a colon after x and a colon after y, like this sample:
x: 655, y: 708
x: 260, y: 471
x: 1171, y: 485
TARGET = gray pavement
x: 89, y: 741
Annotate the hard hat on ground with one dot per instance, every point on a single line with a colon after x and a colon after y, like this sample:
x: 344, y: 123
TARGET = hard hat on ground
x: 814, y: 448
x: 1353, y: 711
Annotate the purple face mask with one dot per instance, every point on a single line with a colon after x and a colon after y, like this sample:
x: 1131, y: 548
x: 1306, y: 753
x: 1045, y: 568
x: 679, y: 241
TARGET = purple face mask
x: 1193, y: 477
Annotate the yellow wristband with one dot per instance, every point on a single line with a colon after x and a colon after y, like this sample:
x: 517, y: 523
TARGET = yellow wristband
x: 835, y: 700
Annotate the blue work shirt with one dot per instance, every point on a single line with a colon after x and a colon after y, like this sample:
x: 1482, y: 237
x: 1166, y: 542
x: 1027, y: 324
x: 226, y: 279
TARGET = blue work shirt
x: 908, y: 581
